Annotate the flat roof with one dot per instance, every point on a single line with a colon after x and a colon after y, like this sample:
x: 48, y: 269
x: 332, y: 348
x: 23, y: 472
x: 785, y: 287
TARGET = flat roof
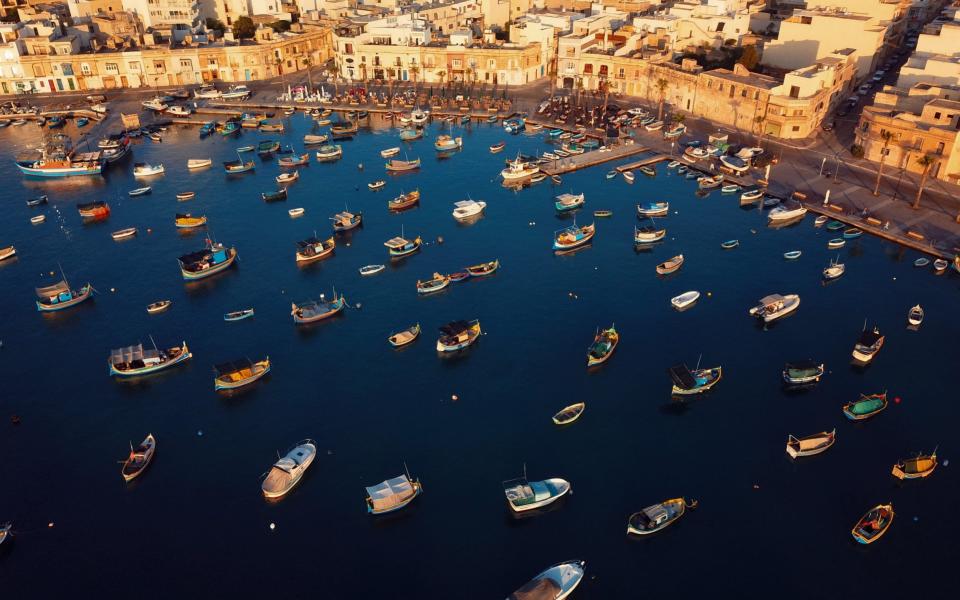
x: 754, y: 79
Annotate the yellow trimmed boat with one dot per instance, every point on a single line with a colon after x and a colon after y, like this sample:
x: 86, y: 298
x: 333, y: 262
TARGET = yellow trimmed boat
x: 604, y: 343
x: 407, y: 336
x: 238, y: 373
x: 313, y: 248
x: 188, y: 221
x: 139, y: 458
x: 569, y: 414
x: 917, y: 467
x: 874, y: 524
x: 658, y: 516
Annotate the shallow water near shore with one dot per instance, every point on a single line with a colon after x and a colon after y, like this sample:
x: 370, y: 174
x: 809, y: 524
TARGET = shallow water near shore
x: 196, y: 523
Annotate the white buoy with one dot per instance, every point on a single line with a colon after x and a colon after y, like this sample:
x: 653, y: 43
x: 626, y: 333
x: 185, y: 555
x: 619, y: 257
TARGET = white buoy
x: 273, y: 526
x: 454, y: 397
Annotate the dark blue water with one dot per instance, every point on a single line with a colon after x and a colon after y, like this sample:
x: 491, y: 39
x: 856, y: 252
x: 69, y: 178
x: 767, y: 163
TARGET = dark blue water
x: 196, y: 522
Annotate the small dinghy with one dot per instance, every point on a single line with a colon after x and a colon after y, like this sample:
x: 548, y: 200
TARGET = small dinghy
x: 751, y: 195
x: 371, y: 269
x: 390, y: 152
x: 646, y: 170
x: 729, y: 244
x: 770, y: 202
x: 124, y: 233
x: 296, y: 212
x: 628, y: 176
x: 921, y: 262
x: 158, y: 306
x: 940, y: 265
x: 437, y: 283
x: 38, y: 219
x: 569, y: 414
x: 802, y: 372
x: 181, y: 196
x: 730, y: 189
x: 685, y: 299
x: 603, y: 214
x: 139, y: 458
x: 852, y: 233
x: 611, y: 174
x: 834, y: 270
x: 497, y: 147
x: 792, y: 255
x: 865, y: 407
x: 199, y: 163
x: 290, y: 177
x: 647, y: 235
x: 238, y: 315
x: 915, y: 316
x: 917, y: 467
x: 874, y: 524
x: 835, y: 226
x: 836, y: 243
x: 37, y: 201
x: 458, y: 276
x: 811, y: 444
x: 670, y: 266
x: 376, y: 185
x: 819, y: 221
x: 483, y: 269
x: 657, y: 517
x: 140, y: 191
x: 287, y: 471
x: 653, y: 209
x: 407, y: 336
x: 556, y: 583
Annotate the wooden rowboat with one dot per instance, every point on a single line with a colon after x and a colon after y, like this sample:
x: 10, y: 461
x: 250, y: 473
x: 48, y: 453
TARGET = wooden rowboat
x: 604, y: 343
x: 238, y: 315
x: 670, y: 266
x: 124, y: 233
x: 404, y: 201
x: 811, y: 444
x: 407, y: 336
x: 917, y: 467
x: 236, y: 374
x: 158, y: 306
x: 658, y: 517
x: 865, y: 407
x: 874, y: 524
x: 139, y: 458
x: 569, y: 414
x: 482, y: 270
x: 186, y: 195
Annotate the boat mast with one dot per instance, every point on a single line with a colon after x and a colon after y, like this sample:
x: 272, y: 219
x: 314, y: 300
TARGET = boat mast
x: 63, y: 275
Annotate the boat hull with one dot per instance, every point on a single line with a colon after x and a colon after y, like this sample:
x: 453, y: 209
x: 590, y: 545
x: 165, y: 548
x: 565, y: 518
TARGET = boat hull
x: 194, y: 276
x: 219, y: 385
x: 86, y: 292
x: 184, y: 356
x: 60, y: 172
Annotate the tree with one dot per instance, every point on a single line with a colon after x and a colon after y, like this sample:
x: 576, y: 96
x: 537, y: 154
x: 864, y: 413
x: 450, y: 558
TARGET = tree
x: 679, y: 118
x: 414, y: 71
x: 759, y: 120
x: 925, y: 161
x: 441, y: 74
x: 308, y: 62
x: 662, y: 88
x: 887, y: 136
x: 216, y: 25
x: 280, y: 26
x: 750, y: 59
x: 244, y: 28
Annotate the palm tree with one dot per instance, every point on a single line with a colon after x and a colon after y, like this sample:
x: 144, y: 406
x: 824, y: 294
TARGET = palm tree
x: 414, y: 70
x: 924, y: 161
x: 662, y: 87
x: 887, y: 136
x: 442, y: 75
x: 283, y: 83
x: 308, y: 62
x: 759, y: 121
x: 679, y: 118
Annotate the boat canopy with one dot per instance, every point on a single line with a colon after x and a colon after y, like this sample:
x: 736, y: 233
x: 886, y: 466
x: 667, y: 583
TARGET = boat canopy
x: 310, y: 241
x: 53, y: 290
x: 194, y: 257
x: 390, y: 493
x: 771, y: 299
x: 233, y: 366
x: 803, y: 366
x: 465, y: 203
x: 90, y: 205
x: 682, y: 377
x: 869, y: 338
x: 455, y: 327
x: 541, y: 588
x: 397, y: 242
x: 130, y: 354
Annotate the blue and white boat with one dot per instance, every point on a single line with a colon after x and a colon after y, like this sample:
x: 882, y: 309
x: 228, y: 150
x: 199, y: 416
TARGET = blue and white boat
x: 569, y: 202
x: 211, y: 260
x: 59, y: 296
x: 134, y: 361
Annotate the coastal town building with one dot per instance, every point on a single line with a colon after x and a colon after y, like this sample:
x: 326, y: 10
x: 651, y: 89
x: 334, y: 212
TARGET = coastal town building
x: 936, y: 59
x: 693, y: 24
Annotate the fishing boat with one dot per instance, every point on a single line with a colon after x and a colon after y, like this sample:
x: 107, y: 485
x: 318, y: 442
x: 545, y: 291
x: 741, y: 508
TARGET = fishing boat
x: 820, y: 220
x: 657, y: 517
x: 751, y: 195
x: 731, y: 188
x: 653, y: 209
x: 772, y: 307
x: 345, y: 221
x: 670, y: 266
x: 865, y: 407
x: 466, y: 209
x: 329, y: 153
x: 314, y: 140
x: 782, y: 213
x: 298, y: 160
x: 271, y: 126
x: 404, y: 201
x: 139, y: 458
x: 407, y: 336
x: 518, y: 169
x: 368, y: 270
x: 687, y: 382
x: 409, y: 134
x: 141, y: 191
x: 654, y: 126
x: 709, y: 183
x: 685, y: 299
x: 199, y: 163
x: 400, y: 166
x: 497, y: 147
x: 296, y: 212
x: 134, y: 361
x: 287, y: 471
x: 604, y: 343
x: 317, y: 310
x: 124, y: 233
x: 802, y: 372
x: 921, y: 262
x: 792, y: 255
x: 147, y: 170
x: 523, y: 495
x: 39, y: 200
x: 154, y: 104
x: 56, y: 159
x: 267, y: 147
x: 918, y: 467
x: 735, y: 164
x: 238, y: 315
x: 235, y: 167
x: 446, y: 143
x: 483, y: 269
x: 458, y: 335
x: 555, y: 583
x: 60, y: 296
x: 392, y: 495
x: 188, y: 221
x: 276, y: 196
x: 874, y: 524
x: 38, y: 219
x: 437, y: 283
x: 648, y: 235
x: 458, y: 276
x: 569, y: 414
x: 940, y: 265
x: 239, y: 373
x: 7, y: 252
x: 729, y: 244
x: 810, y: 445
x: 158, y: 306
x: 567, y: 202
x: 852, y: 233
x: 203, y: 263
x: 573, y: 237
x: 915, y: 316
x: 648, y: 171
x: 867, y: 345
x: 603, y: 214
x: 285, y: 178
x: 836, y: 243
x: 313, y: 249
x: 94, y: 210
x: 376, y: 185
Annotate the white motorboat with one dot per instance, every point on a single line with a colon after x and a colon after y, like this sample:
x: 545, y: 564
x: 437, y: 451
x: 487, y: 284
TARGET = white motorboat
x: 915, y: 316
x: 199, y: 163
x: 295, y: 212
x: 735, y: 164
x: 523, y: 495
x: 555, y: 583
x: 519, y: 170
x: 465, y: 209
x: 236, y: 92
x: 179, y: 111
x: 685, y: 299
x: 207, y: 91
x: 418, y: 116
x: 390, y: 152
x: 287, y: 471
x: 146, y: 170
x: 783, y: 213
x: 155, y: 104
x: 774, y: 306
x: 833, y: 270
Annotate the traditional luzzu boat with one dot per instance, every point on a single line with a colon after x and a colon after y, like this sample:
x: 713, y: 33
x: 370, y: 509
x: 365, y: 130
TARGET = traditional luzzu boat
x: 134, y: 361
x: 59, y: 296
x: 94, y: 210
x: 400, y: 247
x: 188, y: 221
x: 346, y: 220
x: 392, y: 495
x: 409, y: 134
x: 458, y: 335
x: 874, y: 524
x: 407, y: 336
x: 276, y: 196
x: 657, y: 517
x: 671, y: 265
x: 523, y: 496
x: 555, y: 583
x: 313, y: 249
x: 437, y: 283
x: 687, y: 382
x: 329, y: 153
x: 401, y: 166
x: 604, y: 343
x: 568, y: 202
x: 344, y: 130
x: 139, y: 458
x: 653, y: 209
x: 811, y: 444
x: 313, y: 140
x: 267, y: 147
x: 287, y: 471
x: 238, y: 373
x: 7, y: 252
x: 404, y: 201
x: 235, y: 167
x: 648, y: 235
x: 483, y: 269
x: 317, y: 310
x: 918, y: 467
x: 865, y: 407
x: 573, y: 237
x: 802, y: 372
x: 867, y: 346
x: 59, y: 160
x: 298, y: 160
x: 445, y: 143
x: 211, y: 260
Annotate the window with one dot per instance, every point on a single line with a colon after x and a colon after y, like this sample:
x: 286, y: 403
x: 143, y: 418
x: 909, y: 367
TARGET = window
x: 159, y: 66
x: 67, y: 69
x: 186, y: 63
x: 917, y: 143
x: 936, y: 116
x: 588, y: 69
x: 111, y: 68
x: 794, y: 91
x: 85, y: 68
x: 621, y: 74
x: 939, y: 149
x: 796, y: 128
x: 720, y: 26
x: 38, y: 71
x: 743, y: 93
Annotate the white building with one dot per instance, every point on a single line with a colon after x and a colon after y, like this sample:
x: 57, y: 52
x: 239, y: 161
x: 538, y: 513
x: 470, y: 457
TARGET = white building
x: 936, y: 59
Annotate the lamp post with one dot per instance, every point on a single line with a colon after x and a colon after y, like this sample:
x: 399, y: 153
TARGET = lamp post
x: 823, y: 161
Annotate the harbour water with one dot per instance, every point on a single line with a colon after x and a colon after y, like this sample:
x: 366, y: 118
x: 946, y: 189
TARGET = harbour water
x: 196, y: 523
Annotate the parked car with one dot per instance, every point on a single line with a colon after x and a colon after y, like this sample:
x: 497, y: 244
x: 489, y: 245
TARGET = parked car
x: 864, y: 89
x: 827, y: 125
x: 844, y: 111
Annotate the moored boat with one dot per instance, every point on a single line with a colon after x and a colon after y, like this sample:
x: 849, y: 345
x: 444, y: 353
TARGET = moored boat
x: 836, y: 243
x: 811, y: 444
x: 38, y: 219
x: 235, y: 167
x: 376, y: 185
x: 346, y: 220
x: 567, y: 202
x: 751, y: 195
x: 802, y: 372
x: 37, y: 201
x: 458, y: 335
x: 852, y: 233
x: 390, y: 152
x: 188, y: 221
x: 573, y: 237
x: 392, y: 495
x: 404, y: 201
x: 820, y: 220
x: 784, y: 213
x: 297, y: 160
x: 435, y: 284
x: 671, y: 265
x: 446, y: 143
x: 313, y: 248
x: 569, y: 414
x: 400, y: 247
x: 687, y: 382
x: 483, y: 269
x: 239, y: 373
x: 147, y: 170
x: 140, y: 191
x: 653, y: 209
x: 328, y: 153
x: 603, y: 213
x: 134, y: 361
x: 792, y: 255
x: 239, y: 315
x: 648, y: 171
x: 648, y: 235
x: 497, y: 147
x: 729, y: 244
x: 400, y: 166
x: 685, y: 299
x: 287, y: 471
x: 657, y: 517
x: 867, y: 345
x: 94, y: 210
x: 139, y: 458
x: 60, y: 296
x: 555, y: 583
x: 775, y: 306
x: 865, y: 406
x: 523, y: 495
x: 918, y: 467
x: 199, y: 163
x: 285, y: 178
x: 940, y: 265
x: 7, y: 252
x: 467, y: 209
x: 404, y: 337
x: 874, y: 524
x: 158, y: 307
x: 604, y: 343
x: 518, y: 169
x: 921, y: 262
x: 124, y: 233
x: 317, y: 310
x: 203, y: 263
x: 276, y: 196
x: 368, y: 270
x: 915, y: 316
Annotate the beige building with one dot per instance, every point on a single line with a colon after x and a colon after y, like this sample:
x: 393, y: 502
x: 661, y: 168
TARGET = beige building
x: 923, y: 120
x: 936, y: 59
